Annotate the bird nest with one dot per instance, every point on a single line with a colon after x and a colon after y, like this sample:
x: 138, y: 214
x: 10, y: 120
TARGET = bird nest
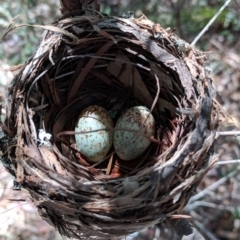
x: 116, y: 63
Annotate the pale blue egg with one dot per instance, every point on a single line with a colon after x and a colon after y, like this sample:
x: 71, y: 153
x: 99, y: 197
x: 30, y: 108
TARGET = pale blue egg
x: 93, y: 132
x: 133, y: 131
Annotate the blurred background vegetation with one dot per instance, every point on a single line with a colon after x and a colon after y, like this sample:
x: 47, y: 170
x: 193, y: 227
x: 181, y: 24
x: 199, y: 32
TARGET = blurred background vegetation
x: 188, y: 17
x: 216, y: 213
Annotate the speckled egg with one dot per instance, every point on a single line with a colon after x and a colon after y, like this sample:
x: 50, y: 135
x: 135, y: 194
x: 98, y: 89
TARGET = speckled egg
x: 132, y: 132
x: 91, y: 143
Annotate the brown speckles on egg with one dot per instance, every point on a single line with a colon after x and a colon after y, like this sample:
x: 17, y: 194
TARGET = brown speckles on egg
x: 94, y: 145
x: 132, y: 132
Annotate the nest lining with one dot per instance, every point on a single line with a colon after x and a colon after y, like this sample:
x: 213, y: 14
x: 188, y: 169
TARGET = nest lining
x: 116, y: 63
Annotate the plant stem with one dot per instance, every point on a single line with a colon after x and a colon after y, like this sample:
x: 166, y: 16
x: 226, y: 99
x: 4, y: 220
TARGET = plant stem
x: 210, y: 22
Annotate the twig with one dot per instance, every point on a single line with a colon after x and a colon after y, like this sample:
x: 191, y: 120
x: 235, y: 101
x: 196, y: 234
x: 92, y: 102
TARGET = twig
x: 205, y: 230
x: 214, y: 185
x: 229, y: 133
x: 13, y: 208
x: 210, y: 22
x: 228, y: 162
x: 157, y: 95
x: 197, y: 204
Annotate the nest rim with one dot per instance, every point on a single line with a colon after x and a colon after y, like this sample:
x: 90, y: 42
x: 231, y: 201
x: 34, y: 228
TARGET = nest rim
x: 93, y: 203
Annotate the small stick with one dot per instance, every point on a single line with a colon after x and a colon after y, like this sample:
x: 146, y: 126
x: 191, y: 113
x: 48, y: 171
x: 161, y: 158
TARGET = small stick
x: 210, y: 22
x: 214, y: 185
x: 197, y: 204
x: 228, y: 162
x: 203, y: 229
x: 157, y: 95
x: 229, y: 133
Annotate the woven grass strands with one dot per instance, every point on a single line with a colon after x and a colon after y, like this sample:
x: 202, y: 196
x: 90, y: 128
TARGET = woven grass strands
x: 87, y: 58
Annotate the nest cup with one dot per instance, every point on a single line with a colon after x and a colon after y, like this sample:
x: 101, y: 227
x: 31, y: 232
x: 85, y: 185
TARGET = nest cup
x: 116, y: 63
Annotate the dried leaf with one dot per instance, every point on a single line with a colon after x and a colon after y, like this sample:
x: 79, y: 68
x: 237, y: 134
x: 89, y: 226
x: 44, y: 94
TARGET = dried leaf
x: 130, y: 77
x: 163, y: 104
x: 164, y: 79
x: 50, y: 90
x: 86, y: 70
x: 104, y: 33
